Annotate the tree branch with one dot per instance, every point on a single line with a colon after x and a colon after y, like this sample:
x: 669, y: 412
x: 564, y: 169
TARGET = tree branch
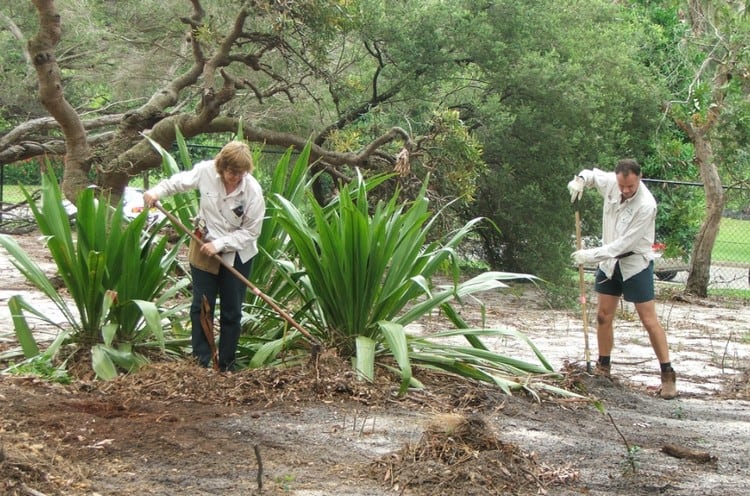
x: 42, y: 51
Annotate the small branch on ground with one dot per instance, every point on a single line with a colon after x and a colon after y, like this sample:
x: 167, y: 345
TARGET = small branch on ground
x: 690, y: 454
x: 256, y: 448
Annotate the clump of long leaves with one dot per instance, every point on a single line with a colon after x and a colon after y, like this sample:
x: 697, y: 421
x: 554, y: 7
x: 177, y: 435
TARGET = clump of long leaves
x: 368, y: 274
x: 115, y: 272
x: 357, y: 276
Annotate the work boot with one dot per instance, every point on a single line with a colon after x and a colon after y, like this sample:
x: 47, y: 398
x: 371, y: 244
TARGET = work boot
x: 668, y: 384
x: 602, y: 370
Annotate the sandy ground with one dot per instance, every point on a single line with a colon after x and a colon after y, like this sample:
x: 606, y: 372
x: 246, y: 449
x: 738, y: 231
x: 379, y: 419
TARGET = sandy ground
x: 180, y: 430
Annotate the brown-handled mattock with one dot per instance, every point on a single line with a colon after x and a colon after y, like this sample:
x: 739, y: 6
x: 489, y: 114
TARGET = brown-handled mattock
x: 253, y: 288
x: 582, y: 289
x: 208, y: 330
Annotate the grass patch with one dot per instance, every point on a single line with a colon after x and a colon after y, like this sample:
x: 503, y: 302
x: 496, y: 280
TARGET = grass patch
x: 12, y: 193
x: 742, y: 295
x: 733, y: 241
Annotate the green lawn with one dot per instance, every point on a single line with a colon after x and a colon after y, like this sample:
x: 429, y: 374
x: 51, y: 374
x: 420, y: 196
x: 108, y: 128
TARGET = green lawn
x: 12, y: 193
x: 733, y: 242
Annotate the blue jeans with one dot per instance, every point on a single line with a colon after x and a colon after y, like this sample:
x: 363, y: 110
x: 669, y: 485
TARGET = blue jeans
x: 231, y: 292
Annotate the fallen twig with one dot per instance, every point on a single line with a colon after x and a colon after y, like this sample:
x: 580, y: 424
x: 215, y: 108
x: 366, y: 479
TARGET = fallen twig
x: 31, y: 492
x: 690, y: 454
x: 256, y: 448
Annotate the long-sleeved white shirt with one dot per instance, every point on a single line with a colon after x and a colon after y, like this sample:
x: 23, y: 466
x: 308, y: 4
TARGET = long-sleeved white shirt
x: 626, y: 225
x: 233, y: 220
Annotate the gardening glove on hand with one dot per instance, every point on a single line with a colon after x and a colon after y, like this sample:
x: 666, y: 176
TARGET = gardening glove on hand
x: 583, y: 257
x: 576, y: 187
x: 150, y: 199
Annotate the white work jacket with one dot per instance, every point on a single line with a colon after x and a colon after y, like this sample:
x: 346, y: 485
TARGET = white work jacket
x: 627, y: 226
x: 233, y: 220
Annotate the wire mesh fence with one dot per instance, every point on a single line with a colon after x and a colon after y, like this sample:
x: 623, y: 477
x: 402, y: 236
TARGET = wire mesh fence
x: 15, y: 214
x: 730, y: 257
x: 730, y: 263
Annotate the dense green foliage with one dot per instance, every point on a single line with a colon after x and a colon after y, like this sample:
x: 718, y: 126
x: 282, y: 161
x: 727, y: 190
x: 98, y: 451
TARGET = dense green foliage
x: 114, y: 270
x: 27, y: 173
x: 504, y: 100
x: 565, y: 89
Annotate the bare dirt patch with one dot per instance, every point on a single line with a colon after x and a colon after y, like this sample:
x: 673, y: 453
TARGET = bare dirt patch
x: 177, y: 429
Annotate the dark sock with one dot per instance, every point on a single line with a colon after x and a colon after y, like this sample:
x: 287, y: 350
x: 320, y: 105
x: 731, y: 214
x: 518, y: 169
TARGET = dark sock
x: 666, y: 366
x: 604, y: 360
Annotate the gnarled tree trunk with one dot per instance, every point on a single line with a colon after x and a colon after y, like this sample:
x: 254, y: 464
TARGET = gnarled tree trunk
x: 700, y: 273
x: 42, y: 52
x: 717, y: 67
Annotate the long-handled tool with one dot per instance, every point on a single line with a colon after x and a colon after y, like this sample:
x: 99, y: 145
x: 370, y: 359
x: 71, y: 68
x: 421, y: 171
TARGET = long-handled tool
x: 207, y: 324
x: 582, y: 289
x: 174, y: 220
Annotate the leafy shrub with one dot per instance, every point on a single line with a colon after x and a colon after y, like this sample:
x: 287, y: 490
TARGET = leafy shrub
x: 114, y: 270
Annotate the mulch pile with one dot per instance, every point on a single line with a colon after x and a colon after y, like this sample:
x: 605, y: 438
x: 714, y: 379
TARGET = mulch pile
x: 325, y: 379
x: 460, y: 454
x: 456, y: 455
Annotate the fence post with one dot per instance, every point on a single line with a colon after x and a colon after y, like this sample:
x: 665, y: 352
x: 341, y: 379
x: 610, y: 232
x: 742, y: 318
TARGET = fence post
x: 2, y: 188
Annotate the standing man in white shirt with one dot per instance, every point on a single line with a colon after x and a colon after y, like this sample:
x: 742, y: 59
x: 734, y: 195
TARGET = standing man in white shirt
x: 229, y: 221
x: 626, y: 260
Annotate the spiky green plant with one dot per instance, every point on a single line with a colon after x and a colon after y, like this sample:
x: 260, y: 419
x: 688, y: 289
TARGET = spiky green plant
x: 115, y: 273
x: 289, y: 180
x: 356, y: 276
x: 368, y: 274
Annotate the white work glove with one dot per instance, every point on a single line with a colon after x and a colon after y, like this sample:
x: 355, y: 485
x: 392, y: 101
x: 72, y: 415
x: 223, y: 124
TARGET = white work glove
x: 583, y: 257
x: 576, y: 187
x: 150, y: 198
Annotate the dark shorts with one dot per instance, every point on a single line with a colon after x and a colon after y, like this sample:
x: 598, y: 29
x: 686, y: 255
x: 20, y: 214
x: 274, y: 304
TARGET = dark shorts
x: 637, y: 289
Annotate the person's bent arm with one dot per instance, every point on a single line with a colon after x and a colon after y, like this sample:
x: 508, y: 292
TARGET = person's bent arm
x: 249, y: 230
x: 639, y: 234
x: 178, y: 183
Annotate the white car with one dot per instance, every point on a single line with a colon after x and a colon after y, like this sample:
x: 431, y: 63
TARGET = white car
x: 666, y: 269
x: 132, y: 205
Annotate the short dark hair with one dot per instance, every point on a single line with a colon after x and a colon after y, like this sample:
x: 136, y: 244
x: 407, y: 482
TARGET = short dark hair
x: 628, y: 166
